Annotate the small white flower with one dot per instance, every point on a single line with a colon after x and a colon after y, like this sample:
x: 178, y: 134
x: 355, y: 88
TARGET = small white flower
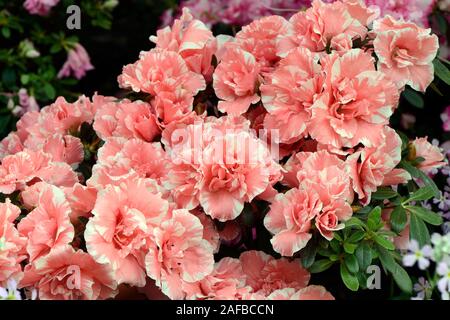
x: 417, y: 255
x: 443, y: 283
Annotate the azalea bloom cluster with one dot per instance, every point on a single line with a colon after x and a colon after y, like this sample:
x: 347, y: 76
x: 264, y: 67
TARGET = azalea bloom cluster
x: 292, y: 113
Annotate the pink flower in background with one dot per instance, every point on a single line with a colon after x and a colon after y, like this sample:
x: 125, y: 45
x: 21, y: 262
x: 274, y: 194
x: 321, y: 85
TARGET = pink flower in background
x: 356, y: 103
x: 40, y: 7
x: 48, y: 226
x: 178, y: 253
x: 405, y: 52
x: 77, y: 64
x: 236, y: 80
x: 445, y: 117
x: 432, y: 155
x: 289, y: 219
x: 66, y: 274
x: 12, y: 244
x: 120, y: 230
x: 265, y: 274
x: 26, y: 103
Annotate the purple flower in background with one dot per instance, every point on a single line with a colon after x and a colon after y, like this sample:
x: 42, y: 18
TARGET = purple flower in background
x: 414, y: 10
x: 40, y: 7
x: 422, y: 288
x: 78, y: 63
x: 445, y: 117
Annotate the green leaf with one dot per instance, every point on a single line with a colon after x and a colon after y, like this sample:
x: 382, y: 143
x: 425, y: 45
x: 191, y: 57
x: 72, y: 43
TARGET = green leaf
x: 354, y: 222
x: 364, y: 255
x: 308, y: 255
x: 442, y: 23
x: 398, y: 219
x: 356, y: 237
x: 417, y: 173
x: 374, y: 219
x: 426, y: 215
x: 385, y: 243
x: 50, y: 91
x: 399, y: 274
x: 320, y: 265
x: 350, y: 280
x: 441, y: 71
x: 414, y: 98
x: 9, y: 77
x: 424, y: 193
x: 6, y: 32
x: 351, y: 263
x: 335, y: 245
x: 350, y: 247
x: 384, y: 193
x: 418, y: 230
x: 24, y: 78
x: 55, y: 48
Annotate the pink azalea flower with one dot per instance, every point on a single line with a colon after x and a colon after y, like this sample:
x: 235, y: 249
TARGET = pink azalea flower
x: 327, y: 175
x: 290, y: 219
x: 81, y: 200
x: 373, y: 167
x: 192, y: 39
x: 434, y: 158
x: 67, y: 149
x: 160, y: 70
x: 121, y: 160
x: 405, y: 52
x: 210, y: 232
x: 240, y: 174
x: 17, y: 170
x: 66, y: 274
x: 259, y: 38
x: 11, y: 144
x: 178, y: 253
x: 39, y: 7
x: 356, y: 104
x: 126, y: 119
x: 265, y: 274
x: 119, y: 232
x: 48, y: 226
x: 12, y: 244
x: 315, y: 28
x: 225, y: 282
x: 77, y: 63
x: 236, y: 80
x: 311, y: 292
x: 289, y: 93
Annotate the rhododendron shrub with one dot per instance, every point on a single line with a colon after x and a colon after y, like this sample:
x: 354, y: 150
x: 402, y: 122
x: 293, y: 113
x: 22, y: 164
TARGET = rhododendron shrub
x: 246, y: 164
